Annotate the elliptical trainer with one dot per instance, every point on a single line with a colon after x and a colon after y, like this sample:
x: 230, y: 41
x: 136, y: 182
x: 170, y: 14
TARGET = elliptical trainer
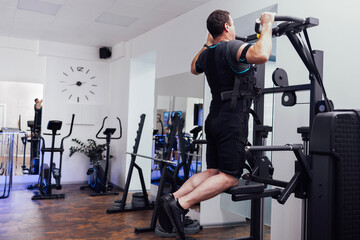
x: 99, y: 182
x: 45, y: 186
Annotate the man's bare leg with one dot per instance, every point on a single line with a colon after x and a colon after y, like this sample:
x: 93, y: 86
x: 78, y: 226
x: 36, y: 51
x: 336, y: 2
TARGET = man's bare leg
x: 194, y: 182
x: 208, y: 188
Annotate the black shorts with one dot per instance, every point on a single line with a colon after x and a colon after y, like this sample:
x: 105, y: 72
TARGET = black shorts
x: 226, y: 137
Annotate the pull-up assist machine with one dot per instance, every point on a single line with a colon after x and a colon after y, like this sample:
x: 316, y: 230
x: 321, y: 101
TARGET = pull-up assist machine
x: 322, y: 178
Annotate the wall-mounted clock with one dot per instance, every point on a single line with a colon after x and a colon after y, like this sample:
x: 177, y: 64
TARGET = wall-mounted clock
x: 78, y: 84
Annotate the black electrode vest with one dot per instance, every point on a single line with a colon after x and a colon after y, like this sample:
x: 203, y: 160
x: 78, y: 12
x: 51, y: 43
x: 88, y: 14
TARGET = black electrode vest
x: 232, y: 91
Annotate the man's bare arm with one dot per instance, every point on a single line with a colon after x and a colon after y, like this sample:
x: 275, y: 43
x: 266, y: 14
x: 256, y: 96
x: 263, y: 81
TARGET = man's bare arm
x: 260, y: 52
x: 209, y: 42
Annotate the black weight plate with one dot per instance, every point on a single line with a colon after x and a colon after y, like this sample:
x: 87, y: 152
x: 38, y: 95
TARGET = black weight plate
x: 280, y: 78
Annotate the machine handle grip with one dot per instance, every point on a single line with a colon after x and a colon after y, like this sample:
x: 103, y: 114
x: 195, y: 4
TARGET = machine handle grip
x: 70, y: 132
x: 248, y: 38
x: 71, y: 126
x: 257, y: 26
x: 279, y: 19
x: 289, y: 19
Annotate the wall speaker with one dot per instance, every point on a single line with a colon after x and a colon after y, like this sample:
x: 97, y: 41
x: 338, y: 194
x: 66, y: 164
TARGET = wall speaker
x: 104, y: 53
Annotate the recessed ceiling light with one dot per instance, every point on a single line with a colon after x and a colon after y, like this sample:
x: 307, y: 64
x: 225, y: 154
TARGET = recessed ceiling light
x: 119, y: 20
x: 39, y: 6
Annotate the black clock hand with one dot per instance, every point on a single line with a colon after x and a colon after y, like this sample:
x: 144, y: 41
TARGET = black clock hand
x: 78, y: 83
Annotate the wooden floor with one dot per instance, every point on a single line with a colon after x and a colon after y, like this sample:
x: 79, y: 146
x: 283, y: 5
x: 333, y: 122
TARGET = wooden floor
x: 80, y: 216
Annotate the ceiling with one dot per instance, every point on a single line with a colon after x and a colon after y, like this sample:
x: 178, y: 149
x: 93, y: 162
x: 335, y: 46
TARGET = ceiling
x: 95, y: 23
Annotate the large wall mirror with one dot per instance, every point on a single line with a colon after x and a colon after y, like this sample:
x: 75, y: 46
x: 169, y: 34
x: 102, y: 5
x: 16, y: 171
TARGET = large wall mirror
x: 183, y: 94
x: 16, y: 111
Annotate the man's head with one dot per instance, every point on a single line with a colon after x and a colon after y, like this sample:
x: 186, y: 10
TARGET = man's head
x: 220, y: 21
x: 36, y: 100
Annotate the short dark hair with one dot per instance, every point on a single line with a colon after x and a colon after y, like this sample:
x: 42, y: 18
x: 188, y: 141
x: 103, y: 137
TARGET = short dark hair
x: 36, y: 99
x: 216, y: 21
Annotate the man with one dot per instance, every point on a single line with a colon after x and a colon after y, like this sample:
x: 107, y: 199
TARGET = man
x: 38, y: 113
x: 228, y: 66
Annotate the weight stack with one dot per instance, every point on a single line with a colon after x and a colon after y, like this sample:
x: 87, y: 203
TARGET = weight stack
x: 334, y: 191
x: 138, y: 200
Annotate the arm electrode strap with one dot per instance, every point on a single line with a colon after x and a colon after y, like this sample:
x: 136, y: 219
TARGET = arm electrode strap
x: 243, y: 53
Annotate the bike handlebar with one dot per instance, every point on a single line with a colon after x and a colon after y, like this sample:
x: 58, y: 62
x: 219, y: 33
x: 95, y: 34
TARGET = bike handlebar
x: 102, y: 126
x: 120, y: 129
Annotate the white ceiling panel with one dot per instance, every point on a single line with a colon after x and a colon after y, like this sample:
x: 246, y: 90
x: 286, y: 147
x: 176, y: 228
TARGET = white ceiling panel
x: 30, y: 25
x: 27, y: 32
x: 6, y: 16
x: 61, y: 2
x: 127, y: 9
x: 102, y: 30
x: 86, y: 40
x: 200, y: 1
x: 8, y: 3
x: 39, y: 6
x: 56, y: 36
x: 179, y: 6
x: 78, y: 21
x: 4, y: 29
x: 157, y: 17
x: 6, y: 12
x: 31, y: 18
x: 71, y: 23
x: 85, y: 8
x: 115, y: 19
x: 146, y: 3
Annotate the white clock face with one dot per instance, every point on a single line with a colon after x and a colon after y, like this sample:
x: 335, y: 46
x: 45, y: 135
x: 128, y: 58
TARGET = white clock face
x: 78, y: 84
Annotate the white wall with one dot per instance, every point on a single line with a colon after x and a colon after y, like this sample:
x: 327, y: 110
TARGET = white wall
x: 141, y: 101
x: 119, y: 100
x: 89, y: 112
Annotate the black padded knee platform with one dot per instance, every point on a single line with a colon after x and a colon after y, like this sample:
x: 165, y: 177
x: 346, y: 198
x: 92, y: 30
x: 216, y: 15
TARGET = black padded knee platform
x: 246, y: 187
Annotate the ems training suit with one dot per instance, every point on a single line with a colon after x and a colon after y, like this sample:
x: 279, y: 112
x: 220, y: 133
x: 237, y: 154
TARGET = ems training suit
x: 226, y: 126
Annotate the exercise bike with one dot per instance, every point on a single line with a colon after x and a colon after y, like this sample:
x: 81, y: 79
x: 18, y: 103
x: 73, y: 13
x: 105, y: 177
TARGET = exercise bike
x: 98, y: 177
